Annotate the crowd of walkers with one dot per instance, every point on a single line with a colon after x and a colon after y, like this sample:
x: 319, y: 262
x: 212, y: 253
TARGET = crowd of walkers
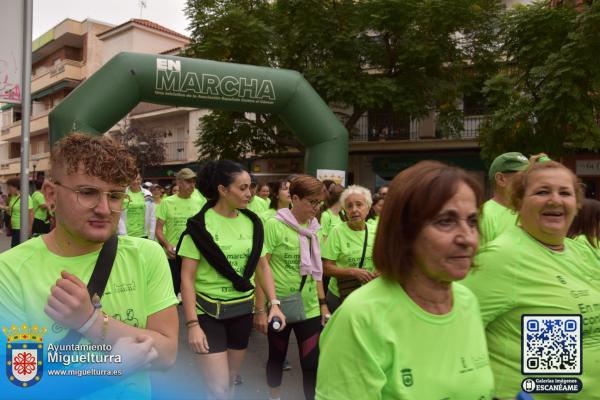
x: 414, y: 292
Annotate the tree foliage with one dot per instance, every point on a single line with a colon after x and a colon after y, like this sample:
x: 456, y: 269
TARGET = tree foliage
x: 416, y: 56
x: 546, y: 97
x: 131, y: 133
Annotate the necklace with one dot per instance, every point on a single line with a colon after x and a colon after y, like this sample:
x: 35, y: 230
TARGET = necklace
x: 553, y: 247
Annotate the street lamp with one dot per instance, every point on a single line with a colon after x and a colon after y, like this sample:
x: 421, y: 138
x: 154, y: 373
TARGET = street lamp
x: 143, y: 148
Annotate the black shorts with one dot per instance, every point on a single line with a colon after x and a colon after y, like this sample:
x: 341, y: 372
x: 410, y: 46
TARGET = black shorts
x: 233, y: 333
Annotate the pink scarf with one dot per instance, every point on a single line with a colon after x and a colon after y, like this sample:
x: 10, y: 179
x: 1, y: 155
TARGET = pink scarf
x: 310, y: 258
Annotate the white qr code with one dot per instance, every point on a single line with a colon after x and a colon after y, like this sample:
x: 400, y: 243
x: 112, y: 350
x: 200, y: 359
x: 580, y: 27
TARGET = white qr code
x: 551, y: 344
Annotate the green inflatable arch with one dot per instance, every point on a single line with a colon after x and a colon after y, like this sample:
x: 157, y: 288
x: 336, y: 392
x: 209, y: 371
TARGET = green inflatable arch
x: 129, y: 78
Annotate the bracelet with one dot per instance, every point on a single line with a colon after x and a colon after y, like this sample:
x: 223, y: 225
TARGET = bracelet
x: 88, y: 324
x: 258, y: 311
x: 274, y: 302
x: 322, y: 302
x: 104, y: 326
x: 191, y: 322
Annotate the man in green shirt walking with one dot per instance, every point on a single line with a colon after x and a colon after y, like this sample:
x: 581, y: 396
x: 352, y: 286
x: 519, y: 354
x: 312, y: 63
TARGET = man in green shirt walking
x: 172, y: 214
x: 496, y: 215
x: 41, y: 217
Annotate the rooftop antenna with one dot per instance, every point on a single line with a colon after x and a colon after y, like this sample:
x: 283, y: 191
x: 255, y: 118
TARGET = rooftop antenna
x: 142, y: 4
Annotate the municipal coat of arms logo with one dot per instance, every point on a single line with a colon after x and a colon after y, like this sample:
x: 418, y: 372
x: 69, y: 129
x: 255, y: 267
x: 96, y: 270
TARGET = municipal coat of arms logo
x: 24, y: 354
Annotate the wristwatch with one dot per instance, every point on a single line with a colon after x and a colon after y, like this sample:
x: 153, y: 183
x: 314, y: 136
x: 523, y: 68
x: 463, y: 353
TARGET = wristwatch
x: 274, y: 302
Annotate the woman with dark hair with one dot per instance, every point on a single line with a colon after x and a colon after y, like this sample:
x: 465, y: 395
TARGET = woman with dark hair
x: 14, y: 210
x: 532, y: 268
x: 585, y: 228
x: 221, y: 250
x: 280, y: 198
x: 375, y: 210
x: 294, y: 256
x: 331, y: 215
x: 404, y: 334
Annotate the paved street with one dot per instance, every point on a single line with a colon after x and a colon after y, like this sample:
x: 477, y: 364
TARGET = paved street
x: 184, y: 382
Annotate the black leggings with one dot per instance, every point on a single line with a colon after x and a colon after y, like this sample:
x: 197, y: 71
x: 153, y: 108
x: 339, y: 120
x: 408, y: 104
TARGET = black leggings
x: 307, y: 334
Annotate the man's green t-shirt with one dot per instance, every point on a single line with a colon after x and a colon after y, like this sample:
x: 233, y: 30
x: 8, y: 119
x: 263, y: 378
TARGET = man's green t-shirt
x: 138, y: 287
x: 328, y: 222
x: 38, y: 199
x: 258, y: 205
x: 136, y: 214
x: 196, y: 193
x: 345, y: 246
x: 518, y: 275
x: 234, y: 238
x: 381, y: 345
x: 283, y: 244
x: 175, y: 211
x: 14, y: 205
x: 495, y: 219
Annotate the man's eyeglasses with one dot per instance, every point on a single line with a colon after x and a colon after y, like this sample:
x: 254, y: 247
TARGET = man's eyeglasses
x: 89, y: 197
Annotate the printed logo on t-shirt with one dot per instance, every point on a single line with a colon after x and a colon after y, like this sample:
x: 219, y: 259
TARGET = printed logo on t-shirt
x: 561, y: 279
x: 407, y: 378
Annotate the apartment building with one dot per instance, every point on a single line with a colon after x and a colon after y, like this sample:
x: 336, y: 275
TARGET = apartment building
x: 62, y: 58
x: 68, y: 54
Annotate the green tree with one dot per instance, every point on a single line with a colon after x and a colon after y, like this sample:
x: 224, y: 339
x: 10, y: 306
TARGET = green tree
x: 546, y: 97
x: 145, y: 144
x: 413, y: 55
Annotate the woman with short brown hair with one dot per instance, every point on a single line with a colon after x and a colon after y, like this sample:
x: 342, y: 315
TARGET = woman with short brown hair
x: 412, y: 333
x: 293, y: 253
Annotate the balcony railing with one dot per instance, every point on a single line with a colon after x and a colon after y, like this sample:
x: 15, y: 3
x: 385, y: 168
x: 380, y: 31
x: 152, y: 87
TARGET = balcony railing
x: 414, y: 131
x: 176, y: 151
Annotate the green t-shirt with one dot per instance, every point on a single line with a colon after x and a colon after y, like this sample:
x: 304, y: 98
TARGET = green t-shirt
x: 283, y: 245
x: 139, y: 285
x: 234, y: 237
x: 517, y: 275
x: 268, y: 214
x: 136, y: 214
x: 175, y: 211
x: 582, y: 239
x: 345, y: 246
x: 495, y: 219
x: 328, y: 222
x: 258, y: 205
x: 14, y: 205
x: 38, y: 199
x: 381, y: 345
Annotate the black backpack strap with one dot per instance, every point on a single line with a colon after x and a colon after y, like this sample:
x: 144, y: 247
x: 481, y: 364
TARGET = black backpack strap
x: 196, y: 228
x: 98, y: 280
x: 362, y: 258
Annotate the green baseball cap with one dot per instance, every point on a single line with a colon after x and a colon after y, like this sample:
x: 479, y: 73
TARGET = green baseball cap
x: 508, y: 162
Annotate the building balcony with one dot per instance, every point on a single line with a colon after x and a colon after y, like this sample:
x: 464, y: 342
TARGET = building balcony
x: 176, y: 152
x: 38, y: 125
x: 12, y: 166
x: 66, y: 70
x: 415, y: 130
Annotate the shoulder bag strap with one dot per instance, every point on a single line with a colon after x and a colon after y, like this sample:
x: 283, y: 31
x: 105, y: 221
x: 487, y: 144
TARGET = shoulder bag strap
x: 362, y: 258
x: 99, y: 279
